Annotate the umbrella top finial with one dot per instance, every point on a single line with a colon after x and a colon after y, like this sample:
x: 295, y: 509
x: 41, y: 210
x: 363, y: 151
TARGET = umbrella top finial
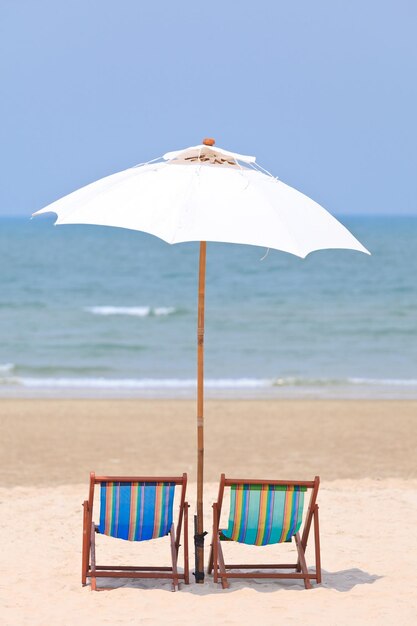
x: 208, y: 141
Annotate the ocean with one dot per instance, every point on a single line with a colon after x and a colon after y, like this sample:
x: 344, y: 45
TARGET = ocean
x: 89, y: 311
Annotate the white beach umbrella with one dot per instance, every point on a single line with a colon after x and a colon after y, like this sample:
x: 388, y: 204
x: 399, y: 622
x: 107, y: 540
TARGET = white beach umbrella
x: 204, y: 193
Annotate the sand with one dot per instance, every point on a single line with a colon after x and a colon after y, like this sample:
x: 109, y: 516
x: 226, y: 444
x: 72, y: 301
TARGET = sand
x: 364, y: 452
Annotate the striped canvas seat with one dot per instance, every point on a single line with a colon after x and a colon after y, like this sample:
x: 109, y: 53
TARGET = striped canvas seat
x: 136, y: 511
x: 264, y: 514
x: 136, y: 508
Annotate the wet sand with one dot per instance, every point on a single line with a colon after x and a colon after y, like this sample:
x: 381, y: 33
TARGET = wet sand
x: 49, y: 442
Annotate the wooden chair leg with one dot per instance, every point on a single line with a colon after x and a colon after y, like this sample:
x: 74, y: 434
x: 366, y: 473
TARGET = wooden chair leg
x: 210, y: 561
x: 85, y: 545
x: 317, y: 543
x: 213, y: 558
x: 302, y: 562
x: 175, y: 580
x: 186, y: 563
x: 215, y: 561
x: 222, y: 568
x: 215, y: 533
x: 93, y: 556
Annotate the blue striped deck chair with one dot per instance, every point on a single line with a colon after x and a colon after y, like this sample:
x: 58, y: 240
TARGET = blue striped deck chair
x: 263, y: 513
x: 135, y: 508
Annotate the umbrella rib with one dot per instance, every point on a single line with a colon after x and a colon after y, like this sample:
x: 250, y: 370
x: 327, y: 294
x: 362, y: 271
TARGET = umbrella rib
x: 101, y: 192
x: 147, y: 162
x: 275, y: 210
x: 257, y: 167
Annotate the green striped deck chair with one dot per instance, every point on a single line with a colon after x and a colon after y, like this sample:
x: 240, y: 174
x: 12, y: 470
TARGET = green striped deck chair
x: 135, y: 508
x: 263, y: 513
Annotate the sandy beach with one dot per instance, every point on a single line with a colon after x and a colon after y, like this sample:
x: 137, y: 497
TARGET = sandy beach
x: 364, y: 452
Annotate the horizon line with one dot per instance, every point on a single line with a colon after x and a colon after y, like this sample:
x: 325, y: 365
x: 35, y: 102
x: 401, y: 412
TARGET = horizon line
x: 365, y: 213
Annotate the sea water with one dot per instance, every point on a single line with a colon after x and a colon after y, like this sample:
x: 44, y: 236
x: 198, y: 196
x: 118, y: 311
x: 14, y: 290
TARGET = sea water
x: 96, y: 311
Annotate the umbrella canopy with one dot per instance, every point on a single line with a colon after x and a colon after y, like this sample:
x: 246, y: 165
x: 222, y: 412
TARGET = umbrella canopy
x: 206, y: 194
x: 203, y: 193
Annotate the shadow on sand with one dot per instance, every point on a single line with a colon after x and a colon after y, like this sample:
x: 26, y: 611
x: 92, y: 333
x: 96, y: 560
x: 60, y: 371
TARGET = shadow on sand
x: 342, y: 581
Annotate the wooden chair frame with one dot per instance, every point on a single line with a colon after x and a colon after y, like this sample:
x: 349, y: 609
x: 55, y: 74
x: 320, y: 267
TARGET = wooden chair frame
x: 221, y: 569
x: 91, y: 570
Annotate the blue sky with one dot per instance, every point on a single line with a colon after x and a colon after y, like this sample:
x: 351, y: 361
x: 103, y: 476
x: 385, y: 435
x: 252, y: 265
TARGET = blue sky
x: 324, y: 93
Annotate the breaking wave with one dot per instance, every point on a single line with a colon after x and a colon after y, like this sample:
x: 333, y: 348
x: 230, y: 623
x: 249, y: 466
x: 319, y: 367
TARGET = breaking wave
x: 9, y: 379
x: 134, y: 311
x: 6, y: 368
x: 133, y: 383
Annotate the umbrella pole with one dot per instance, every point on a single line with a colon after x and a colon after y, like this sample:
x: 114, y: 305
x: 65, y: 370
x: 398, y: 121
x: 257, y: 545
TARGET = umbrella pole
x: 199, y: 524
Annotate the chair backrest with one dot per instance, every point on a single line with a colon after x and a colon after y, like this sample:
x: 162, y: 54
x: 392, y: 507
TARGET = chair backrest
x: 264, y: 512
x: 136, y: 509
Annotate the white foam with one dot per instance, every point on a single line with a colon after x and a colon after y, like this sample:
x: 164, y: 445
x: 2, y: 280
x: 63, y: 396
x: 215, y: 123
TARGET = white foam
x: 398, y: 382
x: 334, y: 382
x: 6, y: 367
x: 134, y: 383
x: 135, y: 311
x: 164, y: 310
x: 190, y: 383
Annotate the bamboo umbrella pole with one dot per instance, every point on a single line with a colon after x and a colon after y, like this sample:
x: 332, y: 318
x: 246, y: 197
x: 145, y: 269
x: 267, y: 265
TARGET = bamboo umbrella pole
x: 199, y: 535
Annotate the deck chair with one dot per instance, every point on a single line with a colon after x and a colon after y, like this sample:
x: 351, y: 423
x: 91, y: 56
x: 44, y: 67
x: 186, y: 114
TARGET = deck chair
x: 264, y: 512
x: 135, y: 508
